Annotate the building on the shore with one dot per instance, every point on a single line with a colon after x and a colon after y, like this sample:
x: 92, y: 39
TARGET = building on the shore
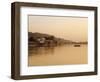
x: 42, y: 41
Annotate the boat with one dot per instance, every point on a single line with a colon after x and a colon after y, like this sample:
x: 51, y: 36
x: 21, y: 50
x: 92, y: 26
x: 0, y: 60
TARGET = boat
x: 77, y: 45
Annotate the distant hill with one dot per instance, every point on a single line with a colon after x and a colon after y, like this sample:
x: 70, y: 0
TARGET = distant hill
x: 41, y: 35
x: 41, y: 39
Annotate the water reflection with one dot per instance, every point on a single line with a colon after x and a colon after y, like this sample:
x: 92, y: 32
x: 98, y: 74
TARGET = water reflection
x: 60, y: 55
x: 41, y: 50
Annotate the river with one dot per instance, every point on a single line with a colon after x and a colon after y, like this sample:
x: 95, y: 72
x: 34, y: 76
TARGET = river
x: 60, y: 55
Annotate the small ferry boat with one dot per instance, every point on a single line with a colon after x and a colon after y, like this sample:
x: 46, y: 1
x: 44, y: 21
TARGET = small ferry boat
x: 77, y: 45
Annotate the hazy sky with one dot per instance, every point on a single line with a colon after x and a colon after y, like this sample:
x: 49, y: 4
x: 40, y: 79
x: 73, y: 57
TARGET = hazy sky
x: 69, y: 28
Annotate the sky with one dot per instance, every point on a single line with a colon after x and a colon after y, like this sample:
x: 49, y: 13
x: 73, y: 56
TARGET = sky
x: 69, y: 28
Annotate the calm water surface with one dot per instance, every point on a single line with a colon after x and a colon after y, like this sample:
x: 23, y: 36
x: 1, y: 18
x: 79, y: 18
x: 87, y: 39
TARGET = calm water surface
x: 60, y: 55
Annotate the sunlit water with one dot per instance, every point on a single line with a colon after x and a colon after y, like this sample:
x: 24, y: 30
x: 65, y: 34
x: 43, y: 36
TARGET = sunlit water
x: 60, y: 55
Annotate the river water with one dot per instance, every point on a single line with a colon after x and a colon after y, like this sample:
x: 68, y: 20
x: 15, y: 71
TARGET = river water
x: 60, y: 55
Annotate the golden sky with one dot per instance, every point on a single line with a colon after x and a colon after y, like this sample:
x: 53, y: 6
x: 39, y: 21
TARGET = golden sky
x: 69, y: 28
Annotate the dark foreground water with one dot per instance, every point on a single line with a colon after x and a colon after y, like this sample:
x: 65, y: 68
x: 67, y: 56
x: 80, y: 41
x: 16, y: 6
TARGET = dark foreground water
x: 60, y: 55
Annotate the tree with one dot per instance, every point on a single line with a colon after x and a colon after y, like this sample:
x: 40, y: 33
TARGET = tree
x: 31, y: 39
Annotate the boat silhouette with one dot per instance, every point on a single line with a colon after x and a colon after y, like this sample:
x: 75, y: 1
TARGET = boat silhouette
x: 77, y: 45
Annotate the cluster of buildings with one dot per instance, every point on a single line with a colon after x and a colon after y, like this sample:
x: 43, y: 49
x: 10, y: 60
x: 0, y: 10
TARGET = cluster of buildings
x: 42, y: 41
